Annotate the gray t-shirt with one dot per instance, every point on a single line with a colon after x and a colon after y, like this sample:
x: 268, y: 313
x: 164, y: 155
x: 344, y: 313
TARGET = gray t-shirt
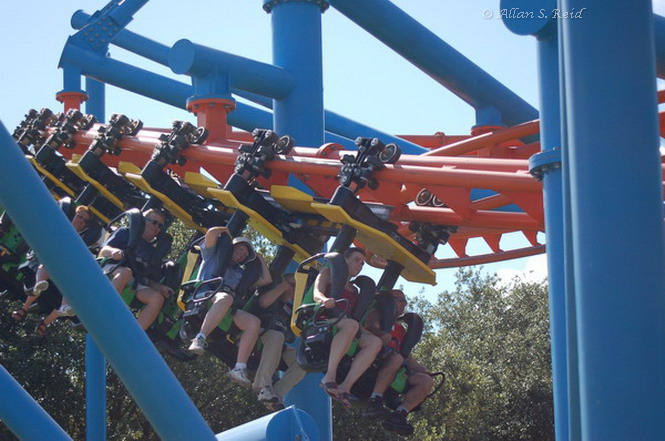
x: 210, y: 268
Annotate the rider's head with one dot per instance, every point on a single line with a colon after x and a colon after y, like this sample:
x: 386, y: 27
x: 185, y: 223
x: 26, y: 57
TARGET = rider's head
x: 154, y: 223
x: 355, y: 259
x: 400, y: 301
x: 82, y: 218
x: 242, y: 250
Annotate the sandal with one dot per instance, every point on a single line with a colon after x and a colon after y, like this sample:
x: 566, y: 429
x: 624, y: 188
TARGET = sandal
x: 19, y: 315
x: 345, y: 399
x: 331, y: 389
x: 40, y: 330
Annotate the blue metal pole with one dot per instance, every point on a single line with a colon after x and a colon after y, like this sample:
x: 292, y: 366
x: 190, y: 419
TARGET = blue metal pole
x: 436, y: 58
x: 574, y: 424
x: 659, y: 42
x: 95, y: 391
x: 617, y: 224
x: 547, y: 166
x: 286, y: 425
x: 105, y: 316
x: 296, y: 36
x: 296, y: 39
x: 23, y: 416
x: 253, y: 76
x: 95, y: 364
x: 335, y: 124
x: 96, y: 104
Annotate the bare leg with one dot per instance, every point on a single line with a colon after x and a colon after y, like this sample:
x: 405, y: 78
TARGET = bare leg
x: 250, y: 325
x: 421, y: 385
x: 370, y: 345
x: 41, y: 274
x: 387, y: 373
x: 347, y: 329
x: 216, y: 313
x: 51, y: 317
x: 153, y: 303
x: 121, y: 277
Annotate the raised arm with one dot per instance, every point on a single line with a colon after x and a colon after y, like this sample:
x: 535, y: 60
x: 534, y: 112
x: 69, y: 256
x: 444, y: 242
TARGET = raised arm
x: 213, y: 234
x: 265, y: 277
x: 269, y: 297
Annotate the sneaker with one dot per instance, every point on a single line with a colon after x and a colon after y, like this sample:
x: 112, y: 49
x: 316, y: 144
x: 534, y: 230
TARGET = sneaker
x: 270, y: 399
x: 397, y: 423
x: 66, y: 311
x: 39, y: 288
x: 375, y: 409
x: 198, y: 346
x: 239, y: 375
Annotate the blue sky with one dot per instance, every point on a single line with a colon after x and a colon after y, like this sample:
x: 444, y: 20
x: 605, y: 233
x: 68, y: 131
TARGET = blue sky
x: 392, y: 96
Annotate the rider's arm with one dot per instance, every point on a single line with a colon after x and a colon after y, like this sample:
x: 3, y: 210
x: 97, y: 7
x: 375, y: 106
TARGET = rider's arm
x: 268, y: 298
x: 213, y: 234
x: 265, y: 277
x: 112, y: 252
x: 320, y: 284
x: 373, y: 325
x: 113, y: 248
x: 415, y: 367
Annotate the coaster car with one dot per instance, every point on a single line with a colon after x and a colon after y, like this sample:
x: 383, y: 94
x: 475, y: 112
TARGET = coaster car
x: 314, y: 323
x: 197, y: 295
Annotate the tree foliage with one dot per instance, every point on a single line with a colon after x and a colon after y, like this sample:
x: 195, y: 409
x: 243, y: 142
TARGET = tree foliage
x: 491, y: 340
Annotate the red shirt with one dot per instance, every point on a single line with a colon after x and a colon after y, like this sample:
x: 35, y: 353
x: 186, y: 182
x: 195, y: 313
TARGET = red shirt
x: 397, y: 336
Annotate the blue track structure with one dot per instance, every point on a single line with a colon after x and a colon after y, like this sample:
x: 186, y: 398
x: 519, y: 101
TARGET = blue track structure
x: 599, y: 164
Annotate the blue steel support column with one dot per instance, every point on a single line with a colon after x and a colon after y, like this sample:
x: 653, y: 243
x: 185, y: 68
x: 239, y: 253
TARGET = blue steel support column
x: 96, y: 104
x: 296, y: 39
x: 436, y: 58
x: 547, y: 166
x: 105, y: 316
x: 23, y: 416
x: 617, y: 223
x: 574, y: 431
x: 95, y: 363
x: 95, y: 392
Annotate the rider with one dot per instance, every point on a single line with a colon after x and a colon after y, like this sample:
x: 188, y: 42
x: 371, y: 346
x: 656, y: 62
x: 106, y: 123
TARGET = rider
x: 243, y: 252
x: 80, y: 221
x: 149, y: 292
x: 276, y: 304
x: 348, y: 329
x: 419, y: 379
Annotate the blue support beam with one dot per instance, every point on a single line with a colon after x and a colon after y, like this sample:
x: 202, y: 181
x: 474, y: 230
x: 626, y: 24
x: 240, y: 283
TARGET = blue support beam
x: 439, y: 60
x: 659, y: 42
x: 339, y: 129
x: 95, y: 364
x: 201, y: 62
x: 104, y: 315
x: 286, y: 425
x: 22, y: 415
x: 96, y: 103
x: 296, y: 42
x: 547, y: 167
x: 95, y: 392
x: 619, y: 255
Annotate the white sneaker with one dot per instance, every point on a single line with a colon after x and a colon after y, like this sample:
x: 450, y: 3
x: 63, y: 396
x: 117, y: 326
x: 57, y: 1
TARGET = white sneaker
x: 66, y: 311
x: 239, y: 375
x: 198, y: 346
x: 270, y: 399
x: 39, y: 288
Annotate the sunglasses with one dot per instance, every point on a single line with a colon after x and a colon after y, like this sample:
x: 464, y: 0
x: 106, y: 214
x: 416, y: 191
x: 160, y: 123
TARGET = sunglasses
x: 156, y: 223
